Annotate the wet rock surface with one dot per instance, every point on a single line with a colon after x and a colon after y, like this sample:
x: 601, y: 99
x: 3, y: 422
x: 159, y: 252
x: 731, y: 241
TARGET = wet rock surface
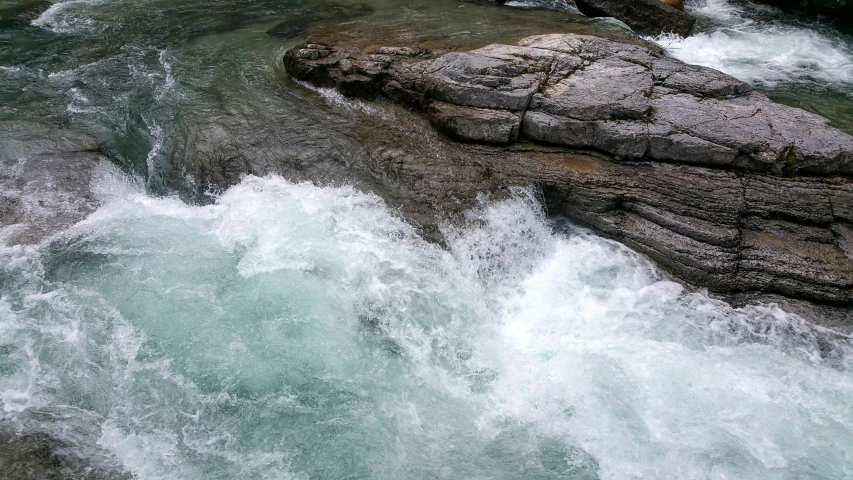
x: 38, y: 456
x: 45, y: 179
x: 19, y: 13
x: 838, y: 10
x: 652, y: 17
x: 720, y: 186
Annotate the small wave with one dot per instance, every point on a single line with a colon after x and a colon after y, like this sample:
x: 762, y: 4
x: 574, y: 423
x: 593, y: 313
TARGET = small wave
x: 78, y: 102
x: 60, y: 18
x: 762, y: 50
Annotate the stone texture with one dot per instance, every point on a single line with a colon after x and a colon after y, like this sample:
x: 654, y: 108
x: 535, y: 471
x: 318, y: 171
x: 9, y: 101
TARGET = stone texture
x: 717, y: 184
x: 586, y: 92
x: 45, y: 177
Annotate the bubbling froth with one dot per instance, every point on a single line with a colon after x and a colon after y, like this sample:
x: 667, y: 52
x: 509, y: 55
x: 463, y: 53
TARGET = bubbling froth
x: 297, y: 331
x: 758, y: 47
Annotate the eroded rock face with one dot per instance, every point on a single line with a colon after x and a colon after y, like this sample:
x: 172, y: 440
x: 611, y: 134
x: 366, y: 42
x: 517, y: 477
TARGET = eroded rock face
x: 45, y: 179
x: 719, y: 185
x: 19, y: 13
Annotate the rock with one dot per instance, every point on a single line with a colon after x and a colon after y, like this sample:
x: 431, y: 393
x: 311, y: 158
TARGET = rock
x: 839, y: 10
x: 586, y: 92
x: 652, y: 17
x: 714, y: 182
x: 45, y: 179
x: 676, y: 4
x: 40, y: 456
x: 19, y: 13
x: 299, y: 23
x: 475, y: 124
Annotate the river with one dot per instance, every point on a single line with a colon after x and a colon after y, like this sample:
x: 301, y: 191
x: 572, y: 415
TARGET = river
x: 290, y: 329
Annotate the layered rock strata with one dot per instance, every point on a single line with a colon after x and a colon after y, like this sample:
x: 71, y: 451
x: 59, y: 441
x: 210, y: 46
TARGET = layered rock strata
x: 716, y: 183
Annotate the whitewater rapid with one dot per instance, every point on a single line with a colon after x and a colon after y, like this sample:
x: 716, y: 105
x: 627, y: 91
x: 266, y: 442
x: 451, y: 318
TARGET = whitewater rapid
x: 294, y: 331
x: 760, y: 44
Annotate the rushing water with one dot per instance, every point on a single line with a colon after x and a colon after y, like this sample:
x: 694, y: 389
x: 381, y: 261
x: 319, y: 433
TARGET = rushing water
x: 293, y: 331
x: 804, y: 63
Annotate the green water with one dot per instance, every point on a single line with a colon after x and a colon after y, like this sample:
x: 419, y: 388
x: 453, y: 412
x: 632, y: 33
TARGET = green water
x: 293, y: 331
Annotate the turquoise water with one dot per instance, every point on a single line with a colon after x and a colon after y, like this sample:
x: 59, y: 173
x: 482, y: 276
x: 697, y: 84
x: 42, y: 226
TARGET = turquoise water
x: 295, y: 331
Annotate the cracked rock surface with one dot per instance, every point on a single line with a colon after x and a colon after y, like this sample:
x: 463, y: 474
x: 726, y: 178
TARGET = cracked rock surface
x: 716, y: 183
x: 586, y: 92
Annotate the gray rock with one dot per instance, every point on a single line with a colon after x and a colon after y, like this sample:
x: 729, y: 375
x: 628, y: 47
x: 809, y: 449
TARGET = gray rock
x: 45, y: 179
x: 18, y: 13
x: 475, y: 124
x: 586, y: 92
x: 652, y: 17
x: 714, y: 182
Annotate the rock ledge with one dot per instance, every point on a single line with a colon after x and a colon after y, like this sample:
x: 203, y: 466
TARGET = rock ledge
x: 712, y: 180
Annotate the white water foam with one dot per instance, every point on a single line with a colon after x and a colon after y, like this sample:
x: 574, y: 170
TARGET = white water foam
x: 295, y: 331
x: 763, y: 51
x: 62, y: 17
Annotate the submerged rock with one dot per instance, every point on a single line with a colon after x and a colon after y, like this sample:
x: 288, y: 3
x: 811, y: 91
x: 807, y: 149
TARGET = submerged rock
x: 39, y: 456
x: 712, y: 180
x: 45, y: 179
x: 297, y: 25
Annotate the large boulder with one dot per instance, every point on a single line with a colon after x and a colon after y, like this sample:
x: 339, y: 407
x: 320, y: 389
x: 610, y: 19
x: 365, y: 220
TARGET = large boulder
x: 652, y: 17
x: 586, y: 92
x: 719, y: 185
x: 839, y: 10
